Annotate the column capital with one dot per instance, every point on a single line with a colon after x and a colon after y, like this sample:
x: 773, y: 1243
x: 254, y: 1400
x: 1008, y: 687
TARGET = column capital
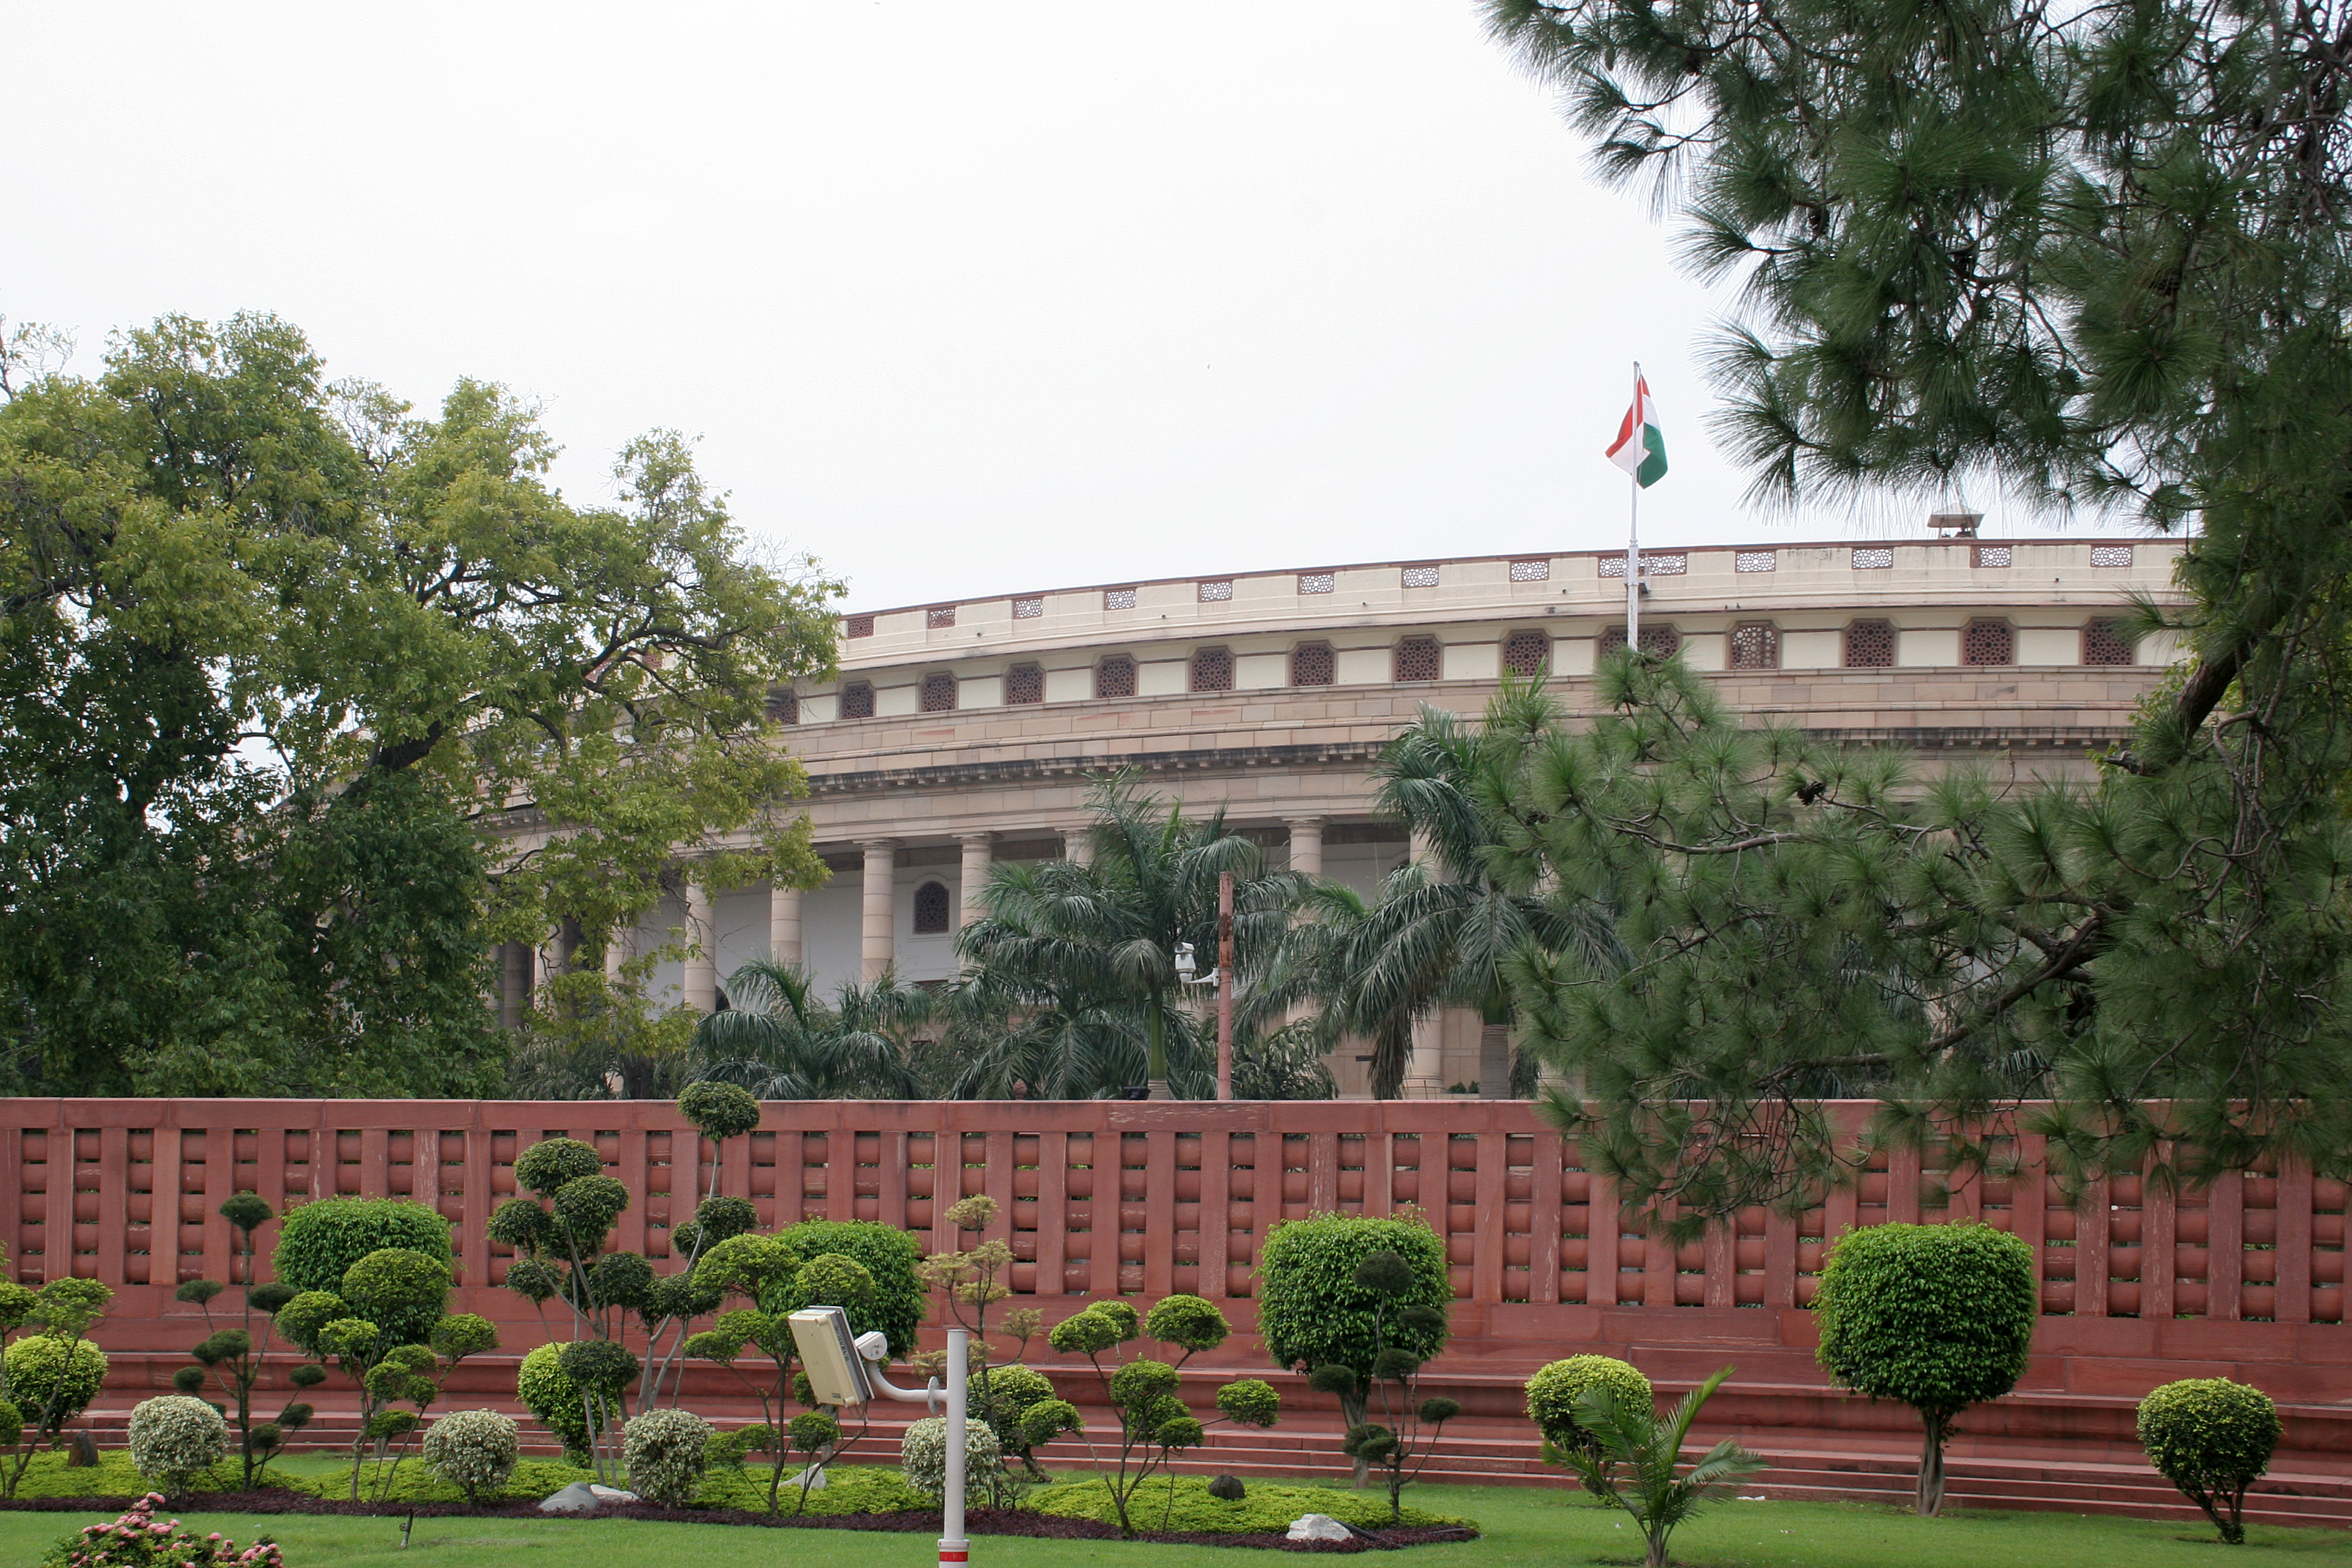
x: 874, y: 846
x: 986, y: 836
x: 1309, y: 819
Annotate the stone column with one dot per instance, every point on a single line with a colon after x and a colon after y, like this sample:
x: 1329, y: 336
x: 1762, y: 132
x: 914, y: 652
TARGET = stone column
x: 1307, y: 845
x: 1424, y: 1070
x: 784, y: 925
x: 620, y: 948
x: 1077, y: 847
x: 514, y: 984
x: 879, y: 929
x: 979, y: 855
x: 702, y: 963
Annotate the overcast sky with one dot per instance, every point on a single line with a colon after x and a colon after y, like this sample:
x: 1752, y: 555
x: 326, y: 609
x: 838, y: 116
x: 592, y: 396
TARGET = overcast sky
x: 963, y: 300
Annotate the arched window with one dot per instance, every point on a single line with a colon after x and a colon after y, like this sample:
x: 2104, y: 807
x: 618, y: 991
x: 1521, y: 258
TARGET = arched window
x: 939, y: 692
x: 2104, y: 642
x: 1212, y: 669
x: 784, y: 707
x: 931, y: 910
x: 1756, y: 644
x: 1417, y: 658
x: 857, y: 699
x: 1313, y: 664
x: 1526, y: 652
x: 1115, y: 677
x: 1870, y: 644
x: 1658, y: 640
x: 1988, y: 642
x: 1024, y: 683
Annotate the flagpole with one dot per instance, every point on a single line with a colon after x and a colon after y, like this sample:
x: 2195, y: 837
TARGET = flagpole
x: 1633, y: 534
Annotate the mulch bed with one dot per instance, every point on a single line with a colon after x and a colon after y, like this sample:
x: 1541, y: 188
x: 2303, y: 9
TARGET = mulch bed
x: 976, y: 1522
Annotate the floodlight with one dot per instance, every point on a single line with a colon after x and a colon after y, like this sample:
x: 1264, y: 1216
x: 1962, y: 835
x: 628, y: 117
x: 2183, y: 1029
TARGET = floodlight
x: 837, y: 1373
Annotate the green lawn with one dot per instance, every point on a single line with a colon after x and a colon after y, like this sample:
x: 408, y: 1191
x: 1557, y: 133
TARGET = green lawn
x: 1525, y: 1526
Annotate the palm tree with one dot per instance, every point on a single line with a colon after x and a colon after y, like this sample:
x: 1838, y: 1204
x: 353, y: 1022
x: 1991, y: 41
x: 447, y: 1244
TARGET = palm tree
x: 1440, y: 927
x: 780, y: 1042
x: 1074, y: 990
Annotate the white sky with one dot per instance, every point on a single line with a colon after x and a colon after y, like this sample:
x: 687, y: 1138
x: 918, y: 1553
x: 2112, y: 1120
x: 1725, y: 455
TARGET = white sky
x: 962, y: 299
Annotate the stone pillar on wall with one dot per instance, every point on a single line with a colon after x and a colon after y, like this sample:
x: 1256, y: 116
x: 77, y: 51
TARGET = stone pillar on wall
x: 1424, y: 1070
x: 979, y: 855
x: 785, y: 923
x: 702, y: 961
x: 1307, y: 845
x: 879, y: 929
x: 1077, y: 847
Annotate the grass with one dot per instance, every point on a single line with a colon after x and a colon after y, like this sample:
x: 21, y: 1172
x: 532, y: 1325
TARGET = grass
x: 1526, y: 1528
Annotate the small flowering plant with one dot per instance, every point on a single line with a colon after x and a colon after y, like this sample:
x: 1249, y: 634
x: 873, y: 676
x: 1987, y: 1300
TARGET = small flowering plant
x: 137, y: 1539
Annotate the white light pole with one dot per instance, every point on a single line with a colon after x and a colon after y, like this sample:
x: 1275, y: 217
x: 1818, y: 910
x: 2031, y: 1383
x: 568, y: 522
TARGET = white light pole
x: 843, y: 1370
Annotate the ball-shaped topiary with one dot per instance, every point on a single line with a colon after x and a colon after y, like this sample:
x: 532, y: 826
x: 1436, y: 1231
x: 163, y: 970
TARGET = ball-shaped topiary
x: 923, y: 1454
x: 400, y: 1292
x: 666, y: 1452
x: 553, y: 1399
x: 462, y: 1334
x: 601, y: 1367
x: 548, y: 1165
x: 175, y: 1438
x: 900, y: 1301
x: 1188, y: 1323
x: 1251, y: 1401
x: 1938, y: 1316
x: 52, y: 1381
x: 473, y: 1450
x: 718, y: 1111
x: 2212, y: 1439
x: 1001, y: 1396
x: 1552, y: 1394
x: 318, y: 1242
x: 830, y: 1280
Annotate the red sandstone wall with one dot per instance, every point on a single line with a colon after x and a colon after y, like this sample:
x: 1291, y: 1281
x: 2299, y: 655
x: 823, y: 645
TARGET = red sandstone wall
x: 1115, y: 1197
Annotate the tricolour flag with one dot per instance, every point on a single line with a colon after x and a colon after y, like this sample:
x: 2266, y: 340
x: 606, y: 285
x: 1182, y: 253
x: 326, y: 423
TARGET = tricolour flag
x: 1641, y: 447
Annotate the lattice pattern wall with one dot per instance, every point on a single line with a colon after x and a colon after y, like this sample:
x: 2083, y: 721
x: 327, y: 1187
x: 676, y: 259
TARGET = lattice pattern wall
x: 1024, y: 683
x: 1526, y: 652
x: 1104, y: 1199
x: 939, y: 692
x: 1870, y: 644
x: 1988, y: 642
x: 1659, y: 640
x: 1212, y: 669
x: 1313, y: 664
x: 1418, y: 658
x: 1115, y: 677
x: 857, y: 701
x: 1756, y: 644
x: 2104, y: 642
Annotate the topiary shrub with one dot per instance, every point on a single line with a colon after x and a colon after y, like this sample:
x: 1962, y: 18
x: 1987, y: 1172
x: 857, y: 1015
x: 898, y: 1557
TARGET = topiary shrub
x: 401, y: 1291
x: 1938, y: 1316
x: 2212, y: 1439
x: 473, y: 1450
x: 923, y: 1454
x: 889, y: 1255
x: 1552, y: 1394
x: 667, y: 1452
x: 554, y: 1400
x: 1001, y: 1396
x: 318, y: 1243
x: 175, y: 1438
x: 1313, y: 1313
x: 52, y: 1381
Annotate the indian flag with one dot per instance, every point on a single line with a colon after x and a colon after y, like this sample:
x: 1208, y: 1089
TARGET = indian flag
x: 1641, y: 447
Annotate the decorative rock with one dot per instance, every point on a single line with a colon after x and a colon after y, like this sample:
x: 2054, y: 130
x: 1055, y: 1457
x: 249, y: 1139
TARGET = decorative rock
x: 610, y: 1494
x: 1228, y: 1488
x: 1318, y: 1527
x: 577, y: 1498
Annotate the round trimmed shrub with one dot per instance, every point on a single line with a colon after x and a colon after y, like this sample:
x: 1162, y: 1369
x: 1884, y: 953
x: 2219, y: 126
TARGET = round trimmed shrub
x: 52, y: 1381
x: 1938, y: 1316
x: 896, y: 1308
x: 1552, y: 1394
x: 175, y: 1438
x: 401, y: 1291
x: 547, y: 1166
x: 1188, y: 1323
x: 1314, y: 1312
x: 718, y: 1111
x: 1002, y: 1399
x: 2212, y: 1439
x: 667, y: 1452
x: 553, y: 1399
x: 318, y: 1243
x: 473, y: 1450
x: 923, y: 1454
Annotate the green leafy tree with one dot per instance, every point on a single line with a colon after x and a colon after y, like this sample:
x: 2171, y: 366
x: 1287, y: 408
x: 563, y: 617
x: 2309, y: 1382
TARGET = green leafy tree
x: 1633, y: 1460
x: 2212, y: 1439
x: 1073, y: 989
x: 232, y: 1354
x: 2094, y: 256
x: 1552, y: 1394
x: 1314, y: 1311
x: 1401, y: 1443
x: 310, y: 699
x: 51, y: 1376
x: 1154, y: 1424
x: 1938, y: 1316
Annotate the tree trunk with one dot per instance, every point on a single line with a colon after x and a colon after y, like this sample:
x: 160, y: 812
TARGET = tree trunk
x: 1352, y: 1412
x: 1931, y: 1462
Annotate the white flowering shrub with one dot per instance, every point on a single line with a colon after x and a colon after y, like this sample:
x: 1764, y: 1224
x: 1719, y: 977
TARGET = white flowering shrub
x: 176, y: 1437
x: 473, y: 1450
x: 667, y: 1452
x: 924, y: 1454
